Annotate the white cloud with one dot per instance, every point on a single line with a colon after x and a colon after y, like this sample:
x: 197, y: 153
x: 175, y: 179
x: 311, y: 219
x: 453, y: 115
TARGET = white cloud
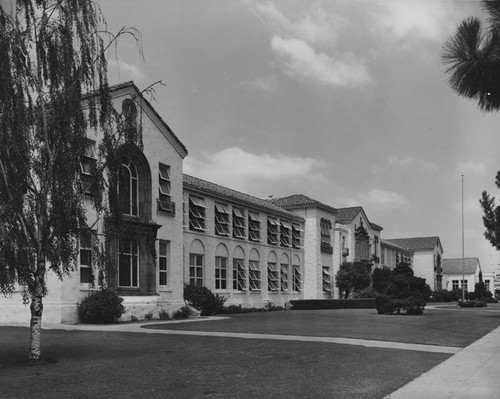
x: 302, y: 60
x: 473, y: 167
x: 423, y: 20
x: 125, y: 71
x: 412, y: 162
x: 241, y: 170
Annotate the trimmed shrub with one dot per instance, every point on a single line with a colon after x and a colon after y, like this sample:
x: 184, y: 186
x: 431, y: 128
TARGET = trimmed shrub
x: 104, y: 306
x: 316, y: 304
x: 472, y: 304
x: 382, y: 304
x: 163, y: 315
x: 182, y: 313
x: 202, y: 299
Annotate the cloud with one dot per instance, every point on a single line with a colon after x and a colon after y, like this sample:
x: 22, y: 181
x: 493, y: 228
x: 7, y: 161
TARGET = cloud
x: 473, y: 167
x: 412, y: 162
x: 417, y: 19
x: 125, y: 71
x: 376, y: 200
x: 241, y: 170
x: 260, y: 84
x: 302, y: 60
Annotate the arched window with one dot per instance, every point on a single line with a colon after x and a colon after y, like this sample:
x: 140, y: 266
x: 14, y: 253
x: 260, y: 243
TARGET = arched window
x: 129, y: 188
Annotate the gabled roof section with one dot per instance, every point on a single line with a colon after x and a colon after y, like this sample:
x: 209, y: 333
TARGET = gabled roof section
x: 454, y: 266
x: 227, y: 194
x: 296, y: 201
x: 347, y: 215
x: 386, y: 243
x: 417, y: 243
x: 130, y: 87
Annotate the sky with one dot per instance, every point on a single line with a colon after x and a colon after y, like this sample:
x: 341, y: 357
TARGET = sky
x: 345, y: 101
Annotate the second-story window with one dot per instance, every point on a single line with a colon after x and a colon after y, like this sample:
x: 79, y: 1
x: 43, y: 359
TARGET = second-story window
x: 296, y: 236
x: 221, y: 220
x: 253, y: 227
x: 197, y: 214
x: 164, y: 185
x: 272, y: 231
x: 326, y: 240
x: 129, y: 188
x: 285, y: 228
x: 239, y: 223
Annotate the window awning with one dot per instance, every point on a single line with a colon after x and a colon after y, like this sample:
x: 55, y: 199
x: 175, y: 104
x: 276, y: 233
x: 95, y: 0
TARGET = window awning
x: 198, y: 201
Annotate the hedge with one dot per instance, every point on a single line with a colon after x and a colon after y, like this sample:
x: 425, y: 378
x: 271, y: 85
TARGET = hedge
x: 314, y: 304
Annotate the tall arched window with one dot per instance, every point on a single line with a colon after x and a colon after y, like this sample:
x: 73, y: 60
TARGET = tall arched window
x: 129, y: 188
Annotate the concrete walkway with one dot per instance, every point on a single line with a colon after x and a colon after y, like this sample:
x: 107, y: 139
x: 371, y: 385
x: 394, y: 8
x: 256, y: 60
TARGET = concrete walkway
x: 472, y: 373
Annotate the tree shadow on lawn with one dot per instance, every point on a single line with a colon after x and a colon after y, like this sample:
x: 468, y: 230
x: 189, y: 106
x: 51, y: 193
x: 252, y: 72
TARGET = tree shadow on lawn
x: 435, y: 327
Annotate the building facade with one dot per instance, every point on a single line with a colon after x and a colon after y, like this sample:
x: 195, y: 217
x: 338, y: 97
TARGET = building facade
x: 392, y: 255
x: 458, y: 273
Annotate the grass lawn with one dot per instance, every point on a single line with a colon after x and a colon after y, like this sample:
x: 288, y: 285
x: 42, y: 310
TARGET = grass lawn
x: 132, y: 365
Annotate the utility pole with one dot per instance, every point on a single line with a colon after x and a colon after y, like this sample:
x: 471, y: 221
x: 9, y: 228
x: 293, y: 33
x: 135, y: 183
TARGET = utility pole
x: 463, y: 259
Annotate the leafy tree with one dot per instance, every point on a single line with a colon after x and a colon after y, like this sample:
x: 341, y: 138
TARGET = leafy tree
x: 381, y: 278
x: 52, y: 52
x: 352, y: 277
x: 472, y: 56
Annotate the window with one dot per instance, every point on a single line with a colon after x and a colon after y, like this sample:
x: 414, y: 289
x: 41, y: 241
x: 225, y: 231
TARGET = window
x: 454, y: 284
x: 220, y: 273
x: 239, y: 275
x: 326, y: 242
x: 87, y: 167
x: 129, y: 188
x: 165, y: 203
x: 196, y: 269
x: 272, y: 276
x: 128, y: 263
x: 272, y: 231
x: 185, y: 216
x: 163, y: 262
x: 221, y: 220
x: 487, y: 284
x: 86, y: 276
x: 254, y: 275
x: 327, y: 279
x: 465, y: 284
x: 284, y: 277
x: 296, y: 236
x: 285, y: 228
x: 197, y: 213
x: 239, y: 223
x: 297, y: 278
x: 253, y: 227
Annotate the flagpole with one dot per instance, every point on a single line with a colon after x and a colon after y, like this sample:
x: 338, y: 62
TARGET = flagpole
x: 463, y: 260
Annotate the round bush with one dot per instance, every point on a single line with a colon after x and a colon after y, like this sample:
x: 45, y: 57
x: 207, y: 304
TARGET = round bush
x: 202, y: 299
x: 104, y: 306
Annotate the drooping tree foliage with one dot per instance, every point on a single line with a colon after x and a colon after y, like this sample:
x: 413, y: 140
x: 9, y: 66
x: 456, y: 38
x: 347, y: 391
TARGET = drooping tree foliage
x: 472, y: 58
x: 51, y: 54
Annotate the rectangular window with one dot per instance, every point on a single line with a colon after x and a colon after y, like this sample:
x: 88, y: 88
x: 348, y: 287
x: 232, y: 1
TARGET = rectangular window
x: 272, y: 231
x: 196, y: 269
x: 285, y: 228
x: 163, y: 262
x: 128, y: 263
x: 239, y: 275
x: 326, y: 240
x: 197, y: 214
x: 454, y: 284
x: 327, y: 279
x: 296, y: 236
x: 239, y: 224
x: 88, y: 163
x: 220, y: 273
x: 221, y: 220
x: 465, y: 284
x: 86, y: 275
x: 165, y: 203
x: 254, y: 275
x: 253, y: 227
x: 284, y: 277
x: 487, y: 284
x: 297, y: 278
x: 272, y: 276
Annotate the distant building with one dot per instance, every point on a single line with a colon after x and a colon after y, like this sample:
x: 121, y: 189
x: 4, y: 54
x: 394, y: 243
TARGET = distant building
x: 457, y: 273
x: 427, y: 256
x: 392, y: 254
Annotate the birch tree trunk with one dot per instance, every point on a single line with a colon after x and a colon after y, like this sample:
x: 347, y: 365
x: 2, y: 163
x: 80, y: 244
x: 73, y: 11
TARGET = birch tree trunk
x: 36, y: 308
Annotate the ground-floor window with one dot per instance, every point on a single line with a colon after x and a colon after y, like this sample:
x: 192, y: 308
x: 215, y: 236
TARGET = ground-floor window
x: 220, y: 273
x: 465, y: 285
x: 297, y: 279
x: 163, y: 262
x: 284, y: 277
x: 487, y: 284
x: 327, y: 279
x: 196, y: 269
x: 454, y: 284
x: 272, y: 276
x: 86, y: 275
x: 239, y: 275
x: 128, y: 263
x: 254, y: 275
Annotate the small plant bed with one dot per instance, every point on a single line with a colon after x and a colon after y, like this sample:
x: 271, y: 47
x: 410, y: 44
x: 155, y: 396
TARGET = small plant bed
x: 235, y: 309
x: 472, y: 304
